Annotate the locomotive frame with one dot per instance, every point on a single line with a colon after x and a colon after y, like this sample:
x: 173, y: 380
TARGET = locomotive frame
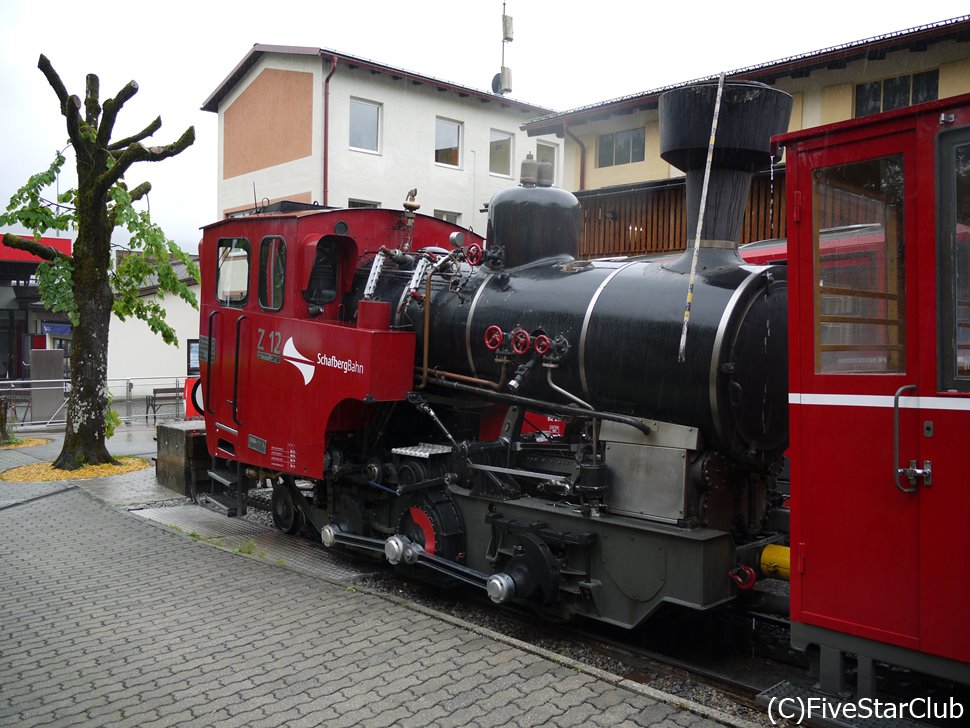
x: 499, y: 413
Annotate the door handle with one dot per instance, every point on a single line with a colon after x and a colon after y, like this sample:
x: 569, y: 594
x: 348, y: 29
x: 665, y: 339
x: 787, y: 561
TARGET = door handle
x: 912, y: 472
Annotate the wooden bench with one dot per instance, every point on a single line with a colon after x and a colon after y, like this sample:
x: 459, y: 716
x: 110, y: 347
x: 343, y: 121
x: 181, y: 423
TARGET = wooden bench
x: 162, y: 396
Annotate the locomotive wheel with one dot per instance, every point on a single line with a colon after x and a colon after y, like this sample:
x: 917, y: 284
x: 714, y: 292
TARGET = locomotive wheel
x: 432, y: 521
x: 286, y: 515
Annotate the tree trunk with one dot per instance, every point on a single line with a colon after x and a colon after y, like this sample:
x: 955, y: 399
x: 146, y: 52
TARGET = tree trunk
x: 85, y: 434
x: 4, y: 408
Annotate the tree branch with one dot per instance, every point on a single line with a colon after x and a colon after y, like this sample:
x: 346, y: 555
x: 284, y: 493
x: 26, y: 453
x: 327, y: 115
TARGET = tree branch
x: 144, y: 133
x: 140, y: 191
x: 54, y: 80
x: 111, y: 109
x: 138, y: 153
x: 34, y: 248
x: 92, y: 103
x: 69, y: 104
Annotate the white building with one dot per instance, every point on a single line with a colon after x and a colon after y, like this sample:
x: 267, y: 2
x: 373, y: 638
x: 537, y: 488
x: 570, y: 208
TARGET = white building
x: 314, y: 125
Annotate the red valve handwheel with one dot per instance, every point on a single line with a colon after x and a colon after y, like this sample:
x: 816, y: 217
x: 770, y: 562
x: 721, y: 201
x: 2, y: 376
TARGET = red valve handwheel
x: 521, y: 341
x: 542, y: 344
x: 473, y: 254
x: 494, y: 337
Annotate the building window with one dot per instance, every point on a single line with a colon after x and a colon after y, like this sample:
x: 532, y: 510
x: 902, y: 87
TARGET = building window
x: 895, y: 93
x: 447, y: 142
x: 362, y: 203
x: 232, y: 271
x: 272, y: 273
x: 365, y: 125
x: 500, y: 153
x: 547, y: 153
x: 453, y: 217
x: 622, y: 147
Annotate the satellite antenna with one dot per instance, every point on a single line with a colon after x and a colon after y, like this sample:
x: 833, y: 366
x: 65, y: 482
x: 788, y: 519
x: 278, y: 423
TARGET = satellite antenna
x: 502, y: 81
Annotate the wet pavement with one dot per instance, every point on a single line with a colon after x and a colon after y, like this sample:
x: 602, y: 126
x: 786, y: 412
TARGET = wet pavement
x: 133, y: 618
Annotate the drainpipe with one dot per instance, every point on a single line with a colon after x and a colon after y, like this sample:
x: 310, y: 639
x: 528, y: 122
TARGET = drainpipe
x: 326, y: 130
x: 582, y: 154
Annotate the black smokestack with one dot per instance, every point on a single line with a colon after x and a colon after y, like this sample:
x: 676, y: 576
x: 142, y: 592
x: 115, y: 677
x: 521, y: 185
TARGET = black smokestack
x: 750, y: 114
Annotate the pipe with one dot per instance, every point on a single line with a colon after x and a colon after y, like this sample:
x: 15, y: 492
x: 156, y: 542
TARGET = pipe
x: 439, y: 373
x: 427, y: 327
x: 563, y: 392
x: 582, y: 154
x: 541, y: 406
x: 326, y: 131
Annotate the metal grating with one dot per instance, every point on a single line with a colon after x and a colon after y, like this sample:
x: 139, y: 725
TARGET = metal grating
x: 422, y: 450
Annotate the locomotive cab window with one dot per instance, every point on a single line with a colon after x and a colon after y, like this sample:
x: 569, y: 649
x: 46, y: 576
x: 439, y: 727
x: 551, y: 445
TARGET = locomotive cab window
x: 272, y: 273
x: 954, y: 257
x: 859, y: 288
x: 323, y: 284
x: 232, y: 271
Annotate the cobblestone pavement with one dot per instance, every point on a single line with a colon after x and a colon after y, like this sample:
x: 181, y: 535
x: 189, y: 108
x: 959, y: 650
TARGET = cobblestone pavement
x: 107, y: 619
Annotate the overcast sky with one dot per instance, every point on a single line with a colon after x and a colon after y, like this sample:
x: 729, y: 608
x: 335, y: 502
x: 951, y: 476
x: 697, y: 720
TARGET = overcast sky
x: 565, y: 55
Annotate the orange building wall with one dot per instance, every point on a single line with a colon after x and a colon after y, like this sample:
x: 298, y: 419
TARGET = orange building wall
x: 270, y: 123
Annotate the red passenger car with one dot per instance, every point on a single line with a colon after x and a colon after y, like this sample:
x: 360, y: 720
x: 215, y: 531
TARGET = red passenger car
x: 879, y: 381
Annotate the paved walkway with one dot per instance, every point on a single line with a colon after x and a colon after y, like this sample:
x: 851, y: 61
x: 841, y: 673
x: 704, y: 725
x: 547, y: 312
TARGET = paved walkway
x: 110, y: 619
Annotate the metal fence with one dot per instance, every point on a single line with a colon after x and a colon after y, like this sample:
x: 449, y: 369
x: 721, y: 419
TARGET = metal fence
x: 137, y: 400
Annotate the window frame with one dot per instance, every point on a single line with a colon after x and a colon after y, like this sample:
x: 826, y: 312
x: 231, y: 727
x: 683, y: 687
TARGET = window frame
x: 379, y: 108
x: 504, y: 136
x: 261, y: 288
x: 446, y: 215
x: 611, y: 137
x: 246, y: 246
x: 950, y: 379
x: 846, y: 315
x: 554, y: 148
x: 874, y: 103
x: 459, y: 128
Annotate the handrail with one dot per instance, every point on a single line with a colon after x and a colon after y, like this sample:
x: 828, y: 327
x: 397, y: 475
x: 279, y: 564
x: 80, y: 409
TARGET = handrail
x: 208, y: 364
x: 897, y: 471
x: 235, y: 373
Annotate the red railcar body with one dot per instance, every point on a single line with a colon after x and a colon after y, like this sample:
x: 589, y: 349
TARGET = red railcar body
x: 879, y: 382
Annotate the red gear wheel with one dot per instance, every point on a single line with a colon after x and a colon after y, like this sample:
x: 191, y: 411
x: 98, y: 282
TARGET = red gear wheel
x: 542, y: 344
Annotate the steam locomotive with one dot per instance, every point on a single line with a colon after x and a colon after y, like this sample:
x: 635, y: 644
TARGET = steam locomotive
x: 554, y: 431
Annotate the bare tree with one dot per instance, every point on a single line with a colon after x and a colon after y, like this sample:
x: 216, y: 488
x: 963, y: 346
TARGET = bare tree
x: 84, y: 284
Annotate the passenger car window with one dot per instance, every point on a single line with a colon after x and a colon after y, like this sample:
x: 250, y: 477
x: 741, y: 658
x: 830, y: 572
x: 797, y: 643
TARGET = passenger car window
x: 858, y: 235
x: 954, y: 258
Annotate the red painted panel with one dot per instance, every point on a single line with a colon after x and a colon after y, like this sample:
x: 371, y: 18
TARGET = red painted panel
x: 857, y: 568
x: 62, y: 245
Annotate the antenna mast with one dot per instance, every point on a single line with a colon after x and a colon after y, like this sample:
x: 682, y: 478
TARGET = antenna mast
x: 502, y: 82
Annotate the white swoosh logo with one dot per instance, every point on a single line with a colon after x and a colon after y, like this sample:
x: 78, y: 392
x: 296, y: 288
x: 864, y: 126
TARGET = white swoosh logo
x: 297, y: 359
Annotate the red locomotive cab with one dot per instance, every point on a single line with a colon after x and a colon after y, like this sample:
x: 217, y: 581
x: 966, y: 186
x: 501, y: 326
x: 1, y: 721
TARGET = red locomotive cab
x: 879, y: 378
x: 284, y: 361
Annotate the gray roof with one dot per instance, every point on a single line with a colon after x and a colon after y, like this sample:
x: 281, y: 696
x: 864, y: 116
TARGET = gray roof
x: 798, y: 65
x: 259, y: 49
